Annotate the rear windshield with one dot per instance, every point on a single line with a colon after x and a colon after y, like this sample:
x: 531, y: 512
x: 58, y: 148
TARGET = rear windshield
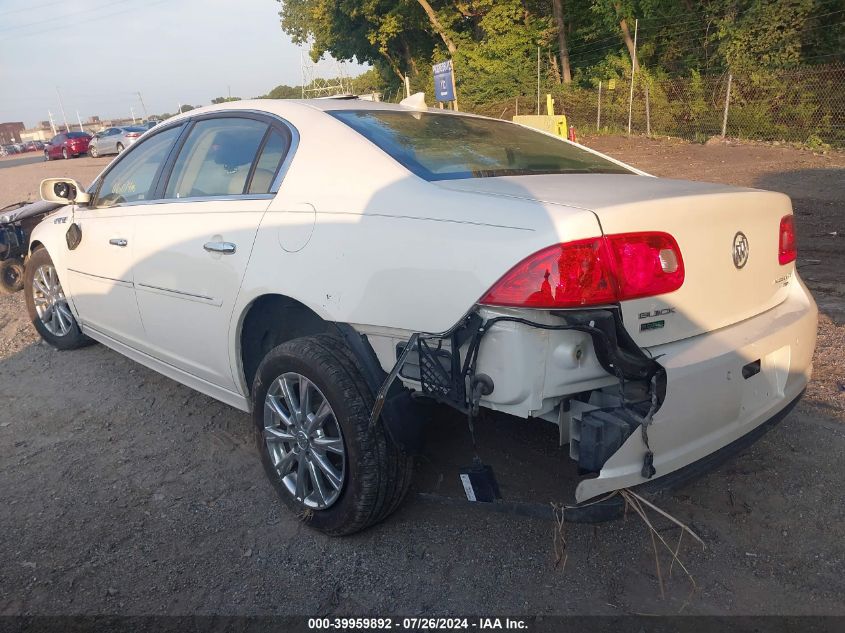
x: 76, y: 134
x: 449, y: 147
x: 134, y: 129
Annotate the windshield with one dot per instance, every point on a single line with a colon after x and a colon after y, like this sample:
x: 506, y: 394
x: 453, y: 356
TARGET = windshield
x: 449, y: 147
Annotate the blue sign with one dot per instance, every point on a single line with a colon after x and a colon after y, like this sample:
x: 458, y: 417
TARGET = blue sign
x: 444, y: 83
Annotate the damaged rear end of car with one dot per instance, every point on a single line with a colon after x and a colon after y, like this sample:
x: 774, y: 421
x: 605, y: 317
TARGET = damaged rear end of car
x: 673, y: 333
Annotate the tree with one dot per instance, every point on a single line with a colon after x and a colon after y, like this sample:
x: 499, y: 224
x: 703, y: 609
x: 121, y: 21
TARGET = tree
x: 217, y: 100
x: 557, y: 7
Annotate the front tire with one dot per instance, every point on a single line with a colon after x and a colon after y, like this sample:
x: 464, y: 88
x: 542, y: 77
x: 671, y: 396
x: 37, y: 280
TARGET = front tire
x: 47, y: 305
x: 92, y: 152
x: 11, y: 276
x: 46, y: 155
x: 311, y: 410
x: 65, y: 153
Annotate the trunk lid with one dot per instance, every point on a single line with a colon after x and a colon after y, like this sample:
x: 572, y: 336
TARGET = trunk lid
x: 708, y: 221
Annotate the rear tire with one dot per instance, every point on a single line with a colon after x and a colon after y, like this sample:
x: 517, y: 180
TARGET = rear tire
x: 11, y: 276
x: 374, y: 473
x: 46, y: 155
x: 47, y: 305
x: 65, y: 153
x: 119, y: 148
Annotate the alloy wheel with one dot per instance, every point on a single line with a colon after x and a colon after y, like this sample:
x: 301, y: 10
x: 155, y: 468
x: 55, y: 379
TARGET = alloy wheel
x: 304, y: 441
x: 50, y: 302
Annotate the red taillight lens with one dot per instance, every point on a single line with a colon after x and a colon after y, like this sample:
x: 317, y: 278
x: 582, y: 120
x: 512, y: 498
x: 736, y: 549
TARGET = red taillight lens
x: 132, y: 134
x: 592, y: 272
x: 648, y: 264
x: 787, y: 248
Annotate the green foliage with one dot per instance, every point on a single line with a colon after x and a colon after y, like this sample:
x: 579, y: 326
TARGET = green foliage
x: 217, y: 100
x: 284, y: 92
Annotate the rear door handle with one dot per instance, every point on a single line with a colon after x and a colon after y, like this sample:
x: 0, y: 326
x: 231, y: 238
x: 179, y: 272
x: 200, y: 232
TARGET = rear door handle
x: 118, y: 241
x: 227, y: 248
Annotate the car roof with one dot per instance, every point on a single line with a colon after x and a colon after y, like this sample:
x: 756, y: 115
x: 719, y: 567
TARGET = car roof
x: 288, y: 107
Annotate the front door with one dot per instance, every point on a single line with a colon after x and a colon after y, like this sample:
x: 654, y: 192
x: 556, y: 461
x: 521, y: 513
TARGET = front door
x: 193, y: 246
x: 100, y: 272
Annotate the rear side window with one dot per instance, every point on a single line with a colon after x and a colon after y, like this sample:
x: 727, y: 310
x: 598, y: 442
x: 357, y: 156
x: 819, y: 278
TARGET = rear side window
x: 448, y: 147
x: 216, y: 158
x: 273, y: 152
x: 132, y: 179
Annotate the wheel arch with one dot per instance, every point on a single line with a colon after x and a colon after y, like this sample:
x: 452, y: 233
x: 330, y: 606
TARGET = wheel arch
x: 272, y: 319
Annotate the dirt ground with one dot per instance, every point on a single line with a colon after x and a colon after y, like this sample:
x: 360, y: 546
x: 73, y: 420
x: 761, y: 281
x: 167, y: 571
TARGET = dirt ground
x: 122, y: 491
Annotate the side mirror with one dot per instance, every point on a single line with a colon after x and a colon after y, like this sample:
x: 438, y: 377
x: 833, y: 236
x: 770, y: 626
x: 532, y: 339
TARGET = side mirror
x: 63, y: 191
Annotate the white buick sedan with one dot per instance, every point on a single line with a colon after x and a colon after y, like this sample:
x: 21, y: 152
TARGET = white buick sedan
x: 326, y: 264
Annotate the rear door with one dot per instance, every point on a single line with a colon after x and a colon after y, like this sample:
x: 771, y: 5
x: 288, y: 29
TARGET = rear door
x: 193, y: 245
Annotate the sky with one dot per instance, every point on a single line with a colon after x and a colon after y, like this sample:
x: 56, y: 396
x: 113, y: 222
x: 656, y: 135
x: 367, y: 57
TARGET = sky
x: 100, y: 53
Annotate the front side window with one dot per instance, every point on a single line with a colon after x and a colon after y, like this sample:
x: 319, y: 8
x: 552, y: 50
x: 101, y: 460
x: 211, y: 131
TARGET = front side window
x: 216, y: 158
x: 448, y: 147
x: 133, y: 178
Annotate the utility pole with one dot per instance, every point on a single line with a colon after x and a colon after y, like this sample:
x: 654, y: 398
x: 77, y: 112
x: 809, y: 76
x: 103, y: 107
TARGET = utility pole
x: 79, y: 119
x: 132, y: 112
x: 727, y: 106
x: 62, y: 107
x: 633, y: 71
x: 302, y: 70
x: 229, y: 88
x: 52, y: 125
x: 180, y: 107
x: 538, y: 80
x: 143, y: 107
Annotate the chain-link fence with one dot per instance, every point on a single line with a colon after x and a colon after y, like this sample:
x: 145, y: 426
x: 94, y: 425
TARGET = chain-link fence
x: 804, y: 105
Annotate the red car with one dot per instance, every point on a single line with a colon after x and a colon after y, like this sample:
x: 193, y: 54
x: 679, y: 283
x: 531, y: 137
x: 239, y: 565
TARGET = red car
x: 67, y: 145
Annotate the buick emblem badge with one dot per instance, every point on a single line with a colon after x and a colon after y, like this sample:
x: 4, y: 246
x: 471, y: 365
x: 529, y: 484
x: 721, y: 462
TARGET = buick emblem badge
x: 740, y: 250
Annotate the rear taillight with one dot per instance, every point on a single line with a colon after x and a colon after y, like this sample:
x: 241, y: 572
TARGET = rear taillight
x: 787, y: 248
x: 592, y: 272
x: 132, y: 134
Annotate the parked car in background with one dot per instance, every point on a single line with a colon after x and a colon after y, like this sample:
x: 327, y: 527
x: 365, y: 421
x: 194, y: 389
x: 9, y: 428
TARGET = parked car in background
x: 67, y: 145
x: 33, y: 146
x: 114, y: 140
x: 149, y: 123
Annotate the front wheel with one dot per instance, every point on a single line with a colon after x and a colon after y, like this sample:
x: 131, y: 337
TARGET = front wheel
x: 92, y: 152
x: 11, y: 276
x: 47, y: 305
x: 46, y: 155
x: 311, y: 410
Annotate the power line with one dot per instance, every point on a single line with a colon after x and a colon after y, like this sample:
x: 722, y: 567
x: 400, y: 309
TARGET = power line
x: 86, y: 21
x: 35, y: 8
x: 64, y: 16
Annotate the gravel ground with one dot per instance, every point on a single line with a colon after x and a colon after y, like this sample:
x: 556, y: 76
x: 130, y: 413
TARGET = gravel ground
x: 124, y: 492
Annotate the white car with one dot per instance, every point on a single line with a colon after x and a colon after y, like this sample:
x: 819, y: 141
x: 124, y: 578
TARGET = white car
x: 321, y: 263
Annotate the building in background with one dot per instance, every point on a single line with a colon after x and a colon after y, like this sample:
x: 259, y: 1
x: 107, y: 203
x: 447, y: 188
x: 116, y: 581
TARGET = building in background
x: 11, y: 132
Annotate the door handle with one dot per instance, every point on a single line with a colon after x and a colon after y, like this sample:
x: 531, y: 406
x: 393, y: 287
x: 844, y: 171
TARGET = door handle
x: 118, y: 241
x: 227, y: 248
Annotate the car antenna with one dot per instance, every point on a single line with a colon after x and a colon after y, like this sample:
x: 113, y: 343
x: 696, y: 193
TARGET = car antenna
x: 415, y: 101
